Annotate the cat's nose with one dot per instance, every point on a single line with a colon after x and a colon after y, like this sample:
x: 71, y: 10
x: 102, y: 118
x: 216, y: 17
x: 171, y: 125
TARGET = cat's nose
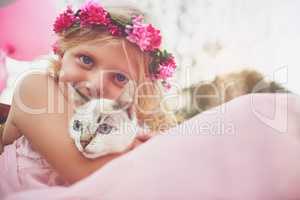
x: 84, y: 143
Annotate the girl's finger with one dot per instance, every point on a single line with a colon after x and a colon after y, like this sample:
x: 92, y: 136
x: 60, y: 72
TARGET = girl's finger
x: 144, y: 136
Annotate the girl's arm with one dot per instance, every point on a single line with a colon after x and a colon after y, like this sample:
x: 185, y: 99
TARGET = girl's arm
x: 10, y: 132
x: 35, y: 111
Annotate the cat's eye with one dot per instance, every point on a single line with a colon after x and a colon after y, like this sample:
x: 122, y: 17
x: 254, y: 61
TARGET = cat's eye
x: 77, y: 125
x: 104, y: 129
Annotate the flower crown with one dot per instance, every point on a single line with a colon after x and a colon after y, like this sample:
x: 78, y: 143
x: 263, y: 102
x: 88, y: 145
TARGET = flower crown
x: 143, y: 35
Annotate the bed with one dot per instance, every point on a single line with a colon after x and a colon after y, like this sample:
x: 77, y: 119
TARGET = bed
x: 254, y: 155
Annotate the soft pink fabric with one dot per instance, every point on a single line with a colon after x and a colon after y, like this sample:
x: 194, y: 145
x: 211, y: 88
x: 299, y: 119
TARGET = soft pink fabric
x: 246, y: 149
x: 24, y: 169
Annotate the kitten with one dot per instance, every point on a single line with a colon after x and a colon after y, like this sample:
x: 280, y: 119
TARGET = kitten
x: 99, y: 127
x: 205, y: 95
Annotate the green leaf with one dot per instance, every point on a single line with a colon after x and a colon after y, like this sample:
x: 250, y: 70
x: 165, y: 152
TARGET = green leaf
x: 152, y: 68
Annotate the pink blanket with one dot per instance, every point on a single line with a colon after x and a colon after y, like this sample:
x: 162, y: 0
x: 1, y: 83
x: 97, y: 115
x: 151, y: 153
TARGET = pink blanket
x: 248, y: 148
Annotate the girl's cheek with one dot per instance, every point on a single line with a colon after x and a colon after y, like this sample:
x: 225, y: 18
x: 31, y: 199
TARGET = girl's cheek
x: 70, y: 72
x: 112, y: 91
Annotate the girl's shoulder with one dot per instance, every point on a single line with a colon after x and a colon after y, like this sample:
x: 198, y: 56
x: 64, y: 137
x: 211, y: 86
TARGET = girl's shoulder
x: 37, y: 92
x: 36, y: 88
x: 35, y: 79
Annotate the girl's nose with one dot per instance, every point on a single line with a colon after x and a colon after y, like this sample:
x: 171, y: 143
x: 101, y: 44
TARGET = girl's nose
x: 101, y: 85
x: 95, y: 84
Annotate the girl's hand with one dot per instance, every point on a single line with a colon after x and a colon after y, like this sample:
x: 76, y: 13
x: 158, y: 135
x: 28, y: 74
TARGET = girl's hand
x: 140, y: 139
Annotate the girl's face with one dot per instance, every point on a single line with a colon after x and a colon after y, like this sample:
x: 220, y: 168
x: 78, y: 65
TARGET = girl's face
x: 99, y: 69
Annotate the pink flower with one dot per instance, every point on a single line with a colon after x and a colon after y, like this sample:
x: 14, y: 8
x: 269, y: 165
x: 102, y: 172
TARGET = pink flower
x: 165, y: 72
x: 138, y: 20
x: 55, y: 48
x: 170, y: 62
x: 92, y: 13
x: 114, y: 30
x: 167, y: 68
x: 144, y: 35
x: 64, y: 20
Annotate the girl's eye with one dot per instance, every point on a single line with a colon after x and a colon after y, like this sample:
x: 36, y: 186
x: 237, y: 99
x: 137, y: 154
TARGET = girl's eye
x: 121, y: 78
x: 86, y: 60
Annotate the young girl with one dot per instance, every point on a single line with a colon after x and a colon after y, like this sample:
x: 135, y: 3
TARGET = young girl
x: 99, y: 52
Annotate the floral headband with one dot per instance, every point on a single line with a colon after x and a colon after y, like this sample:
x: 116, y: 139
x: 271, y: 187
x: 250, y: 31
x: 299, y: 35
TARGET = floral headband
x: 145, y: 36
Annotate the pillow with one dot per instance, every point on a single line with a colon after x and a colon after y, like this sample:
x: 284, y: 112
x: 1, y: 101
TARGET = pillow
x: 245, y: 149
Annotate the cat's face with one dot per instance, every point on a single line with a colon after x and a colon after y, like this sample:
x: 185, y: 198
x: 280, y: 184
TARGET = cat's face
x: 98, y: 130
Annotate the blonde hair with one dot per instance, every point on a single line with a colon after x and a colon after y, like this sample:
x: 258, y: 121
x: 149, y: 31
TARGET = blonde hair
x: 150, y: 95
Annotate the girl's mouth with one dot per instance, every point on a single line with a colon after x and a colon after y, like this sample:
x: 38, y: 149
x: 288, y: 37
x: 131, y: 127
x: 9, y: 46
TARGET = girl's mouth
x: 77, y: 97
x: 82, y: 95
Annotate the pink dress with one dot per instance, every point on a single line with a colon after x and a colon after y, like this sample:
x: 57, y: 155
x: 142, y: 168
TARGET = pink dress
x: 21, y: 168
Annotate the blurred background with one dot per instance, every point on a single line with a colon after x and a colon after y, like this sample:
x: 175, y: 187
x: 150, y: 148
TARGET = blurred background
x: 208, y: 37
